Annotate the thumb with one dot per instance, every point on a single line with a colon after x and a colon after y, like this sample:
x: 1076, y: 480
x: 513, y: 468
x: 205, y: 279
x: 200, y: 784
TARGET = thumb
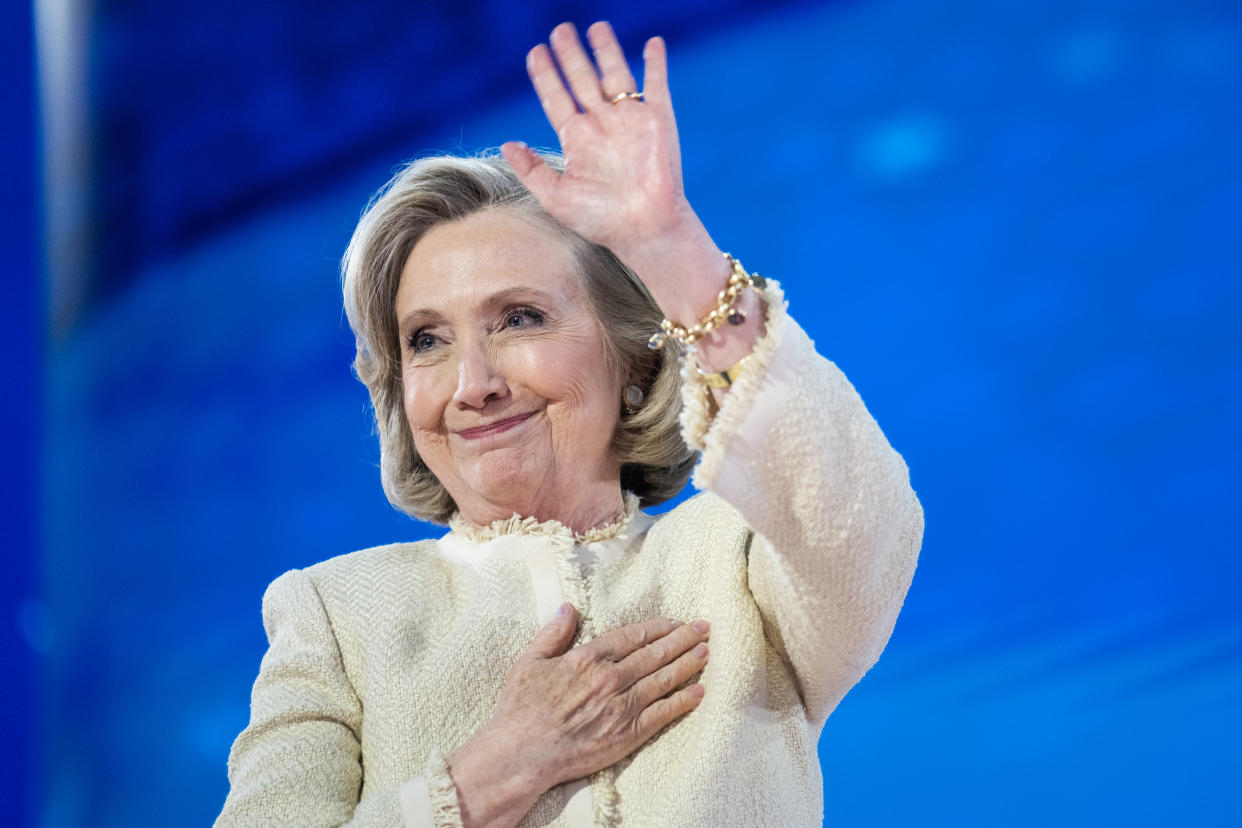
x: 553, y: 640
x: 531, y: 170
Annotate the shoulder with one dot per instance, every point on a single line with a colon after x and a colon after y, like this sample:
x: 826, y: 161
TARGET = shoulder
x: 375, y: 560
x: 703, y: 505
x: 700, y: 505
x: 350, y: 597
x: 706, y: 519
x: 354, y: 576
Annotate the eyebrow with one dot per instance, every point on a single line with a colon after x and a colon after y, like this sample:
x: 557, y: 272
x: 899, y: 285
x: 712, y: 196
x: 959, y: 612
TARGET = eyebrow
x: 507, y: 296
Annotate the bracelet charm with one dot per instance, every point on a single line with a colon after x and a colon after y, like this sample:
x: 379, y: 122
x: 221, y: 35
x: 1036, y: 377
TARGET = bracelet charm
x: 726, y: 310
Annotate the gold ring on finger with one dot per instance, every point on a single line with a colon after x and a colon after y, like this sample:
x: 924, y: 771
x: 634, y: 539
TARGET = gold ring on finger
x: 626, y: 96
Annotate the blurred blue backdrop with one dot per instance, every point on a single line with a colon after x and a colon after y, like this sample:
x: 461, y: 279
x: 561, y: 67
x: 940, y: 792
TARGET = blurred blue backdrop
x: 1016, y: 226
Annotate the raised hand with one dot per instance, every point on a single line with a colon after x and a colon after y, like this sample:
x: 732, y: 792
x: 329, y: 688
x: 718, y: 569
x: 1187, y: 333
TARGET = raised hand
x: 622, y: 184
x: 563, y: 715
x: 622, y: 178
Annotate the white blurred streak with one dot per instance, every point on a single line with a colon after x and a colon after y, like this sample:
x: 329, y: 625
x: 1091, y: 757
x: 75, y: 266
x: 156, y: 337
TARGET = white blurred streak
x: 61, y: 39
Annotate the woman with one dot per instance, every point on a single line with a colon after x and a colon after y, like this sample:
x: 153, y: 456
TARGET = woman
x: 525, y: 667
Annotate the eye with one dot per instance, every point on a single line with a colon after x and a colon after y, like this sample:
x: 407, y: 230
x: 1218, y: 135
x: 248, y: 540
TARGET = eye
x: 522, y: 318
x: 421, y: 341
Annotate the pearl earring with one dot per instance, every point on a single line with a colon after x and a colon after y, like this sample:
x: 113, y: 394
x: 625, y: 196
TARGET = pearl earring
x: 633, y: 397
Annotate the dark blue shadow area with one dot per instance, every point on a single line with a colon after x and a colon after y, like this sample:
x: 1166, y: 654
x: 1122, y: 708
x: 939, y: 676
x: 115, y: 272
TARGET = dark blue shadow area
x: 207, y: 112
x: 1016, y: 228
x: 21, y: 340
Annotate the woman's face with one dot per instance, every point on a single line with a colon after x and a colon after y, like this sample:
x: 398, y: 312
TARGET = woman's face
x: 508, y: 392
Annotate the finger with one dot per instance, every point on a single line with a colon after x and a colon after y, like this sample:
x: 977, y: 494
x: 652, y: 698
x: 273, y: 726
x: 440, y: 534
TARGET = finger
x: 532, y: 171
x: 619, y: 643
x: 670, y: 676
x: 655, y: 72
x: 555, y: 99
x: 663, y: 651
x: 662, y: 712
x: 615, y: 76
x: 578, y: 69
x: 554, y: 638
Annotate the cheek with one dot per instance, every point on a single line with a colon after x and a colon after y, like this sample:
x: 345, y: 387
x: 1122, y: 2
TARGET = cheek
x: 605, y: 383
x: 578, y: 375
x: 423, y: 408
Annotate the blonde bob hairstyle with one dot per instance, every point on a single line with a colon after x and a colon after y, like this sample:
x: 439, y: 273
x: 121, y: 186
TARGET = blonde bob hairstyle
x: 655, y: 461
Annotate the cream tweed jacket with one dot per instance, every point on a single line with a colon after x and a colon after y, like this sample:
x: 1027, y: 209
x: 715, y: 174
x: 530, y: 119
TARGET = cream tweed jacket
x: 799, y: 552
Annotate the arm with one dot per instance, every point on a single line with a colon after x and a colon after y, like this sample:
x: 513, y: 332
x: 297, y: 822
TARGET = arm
x: 792, y: 447
x: 837, y: 526
x: 299, y: 760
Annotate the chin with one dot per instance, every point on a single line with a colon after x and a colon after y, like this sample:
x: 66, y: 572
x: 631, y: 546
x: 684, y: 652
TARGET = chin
x: 511, y: 479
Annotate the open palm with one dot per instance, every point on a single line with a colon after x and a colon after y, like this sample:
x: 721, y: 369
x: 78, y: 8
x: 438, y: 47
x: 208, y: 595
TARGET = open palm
x: 622, y: 180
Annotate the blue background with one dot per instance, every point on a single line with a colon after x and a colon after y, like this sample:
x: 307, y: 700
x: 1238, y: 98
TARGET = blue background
x: 1016, y: 226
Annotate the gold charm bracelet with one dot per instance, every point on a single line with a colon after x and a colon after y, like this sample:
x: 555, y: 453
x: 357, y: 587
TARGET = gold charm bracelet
x: 726, y: 310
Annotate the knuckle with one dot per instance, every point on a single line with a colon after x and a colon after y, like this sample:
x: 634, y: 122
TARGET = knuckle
x: 678, y: 637
x: 634, y: 636
x: 621, y: 717
x: 660, y: 714
x: 665, y: 680
x: 677, y: 704
x: 644, y: 728
x: 659, y: 627
x: 604, y: 681
x: 627, y: 708
x: 639, y: 634
x: 582, y: 659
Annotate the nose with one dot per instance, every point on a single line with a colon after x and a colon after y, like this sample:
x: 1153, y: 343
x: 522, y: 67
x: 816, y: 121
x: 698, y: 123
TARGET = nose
x: 478, y: 379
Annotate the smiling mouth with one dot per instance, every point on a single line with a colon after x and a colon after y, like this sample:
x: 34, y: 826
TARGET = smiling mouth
x: 498, y: 427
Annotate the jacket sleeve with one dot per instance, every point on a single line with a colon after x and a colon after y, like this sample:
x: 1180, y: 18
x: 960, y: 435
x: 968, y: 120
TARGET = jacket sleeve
x: 299, y: 760
x: 836, y: 526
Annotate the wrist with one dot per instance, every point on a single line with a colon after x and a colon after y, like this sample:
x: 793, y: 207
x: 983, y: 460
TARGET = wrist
x: 728, y: 345
x: 681, y: 266
x: 495, y: 784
